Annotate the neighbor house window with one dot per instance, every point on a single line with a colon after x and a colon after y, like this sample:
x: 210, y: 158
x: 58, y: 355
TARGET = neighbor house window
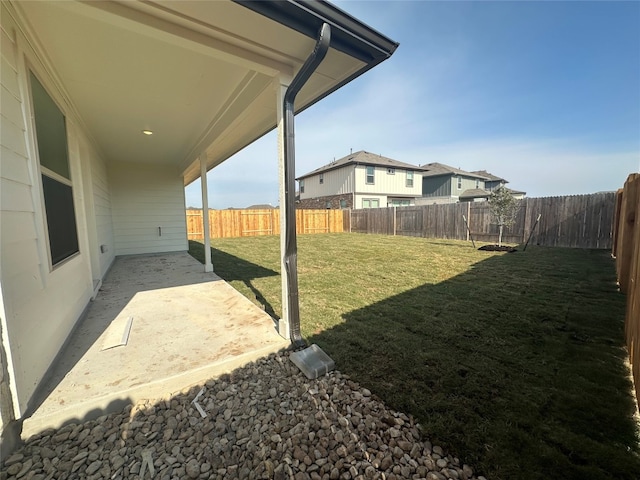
x: 410, y: 179
x: 57, y: 188
x: 370, y: 203
x: 343, y: 203
x: 477, y: 183
x: 321, y: 178
x: 459, y: 183
x: 370, y: 175
x: 391, y: 171
x: 327, y: 205
x: 301, y: 183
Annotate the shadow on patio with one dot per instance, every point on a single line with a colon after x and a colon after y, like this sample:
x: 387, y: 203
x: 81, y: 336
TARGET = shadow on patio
x: 187, y: 326
x: 517, y: 365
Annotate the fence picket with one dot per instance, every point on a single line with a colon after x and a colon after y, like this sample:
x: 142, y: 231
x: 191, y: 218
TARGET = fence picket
x: 578, y: 221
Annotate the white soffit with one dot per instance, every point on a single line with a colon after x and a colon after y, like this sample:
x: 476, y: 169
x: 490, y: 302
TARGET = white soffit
x: 198, y: 74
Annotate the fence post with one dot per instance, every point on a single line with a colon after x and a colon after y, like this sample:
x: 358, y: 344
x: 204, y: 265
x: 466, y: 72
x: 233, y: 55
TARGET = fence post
x: 526, y: 221
x: 468, y: 219
x: 394, y: 220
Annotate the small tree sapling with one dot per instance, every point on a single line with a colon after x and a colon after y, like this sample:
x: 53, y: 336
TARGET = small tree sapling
x: 504, y: 207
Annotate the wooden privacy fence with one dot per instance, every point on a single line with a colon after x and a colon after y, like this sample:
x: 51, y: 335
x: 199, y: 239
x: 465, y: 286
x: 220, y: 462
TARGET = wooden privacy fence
x: 251, y: 223
x: 626, y: 250
x: 581, y: 221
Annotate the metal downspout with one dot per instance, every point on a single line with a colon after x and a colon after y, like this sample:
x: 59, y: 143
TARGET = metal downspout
x: 291, y: 246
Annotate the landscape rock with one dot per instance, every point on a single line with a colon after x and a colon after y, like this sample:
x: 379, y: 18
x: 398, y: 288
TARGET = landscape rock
x: 265, y: 420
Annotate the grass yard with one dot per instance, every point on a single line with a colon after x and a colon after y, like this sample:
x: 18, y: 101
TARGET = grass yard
x: 514, y: 362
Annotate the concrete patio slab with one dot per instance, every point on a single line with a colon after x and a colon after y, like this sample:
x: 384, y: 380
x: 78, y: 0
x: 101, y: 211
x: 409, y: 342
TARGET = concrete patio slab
x: 186, y: 326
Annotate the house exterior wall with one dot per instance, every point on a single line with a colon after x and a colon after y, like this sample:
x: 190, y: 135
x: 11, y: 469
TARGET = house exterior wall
x: 146, y: 198
x: 468, y: 183
x: 436, y: 186
x: 387, y: 184
x: 436, y: 200
x: 444, y: 186
x: 102, y: 213
x: 334, y: 202
x: 40, y: 304
x: 490, y: 186
x: 360, y: 198
x: 334, y: 182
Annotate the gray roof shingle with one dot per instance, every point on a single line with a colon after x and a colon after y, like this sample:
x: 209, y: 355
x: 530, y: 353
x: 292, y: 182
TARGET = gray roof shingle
x: 491, y: 177
x: 475, y: 193
x: 362, y: 158
x: 435, y: 169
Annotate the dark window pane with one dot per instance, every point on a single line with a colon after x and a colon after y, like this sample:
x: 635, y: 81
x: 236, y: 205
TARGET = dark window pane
x: 61, y: 219
x: 51, y: 131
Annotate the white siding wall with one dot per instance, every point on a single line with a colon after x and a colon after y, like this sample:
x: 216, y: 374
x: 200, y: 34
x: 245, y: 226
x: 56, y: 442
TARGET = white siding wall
x: 40, y: 306
x: 467, y: 184
x: 145, y: 197
x: 387, y: 184
x: 382, y: 200
x: 98, y: 207
x: 335, y: 182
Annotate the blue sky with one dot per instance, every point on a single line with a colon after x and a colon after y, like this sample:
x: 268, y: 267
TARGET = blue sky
x: 544, y: 94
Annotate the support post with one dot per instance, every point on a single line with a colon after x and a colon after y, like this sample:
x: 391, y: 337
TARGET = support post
x: 282, y: 83
x: 206, y: 233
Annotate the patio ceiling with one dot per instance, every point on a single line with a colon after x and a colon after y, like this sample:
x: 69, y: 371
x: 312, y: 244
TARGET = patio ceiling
x: 200, y: 75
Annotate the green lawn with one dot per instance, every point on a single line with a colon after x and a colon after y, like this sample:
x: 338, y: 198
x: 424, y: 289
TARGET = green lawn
x: 514, y: 362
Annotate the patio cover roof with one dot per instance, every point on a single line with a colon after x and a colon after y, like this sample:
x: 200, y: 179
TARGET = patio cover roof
x: 199, y: 74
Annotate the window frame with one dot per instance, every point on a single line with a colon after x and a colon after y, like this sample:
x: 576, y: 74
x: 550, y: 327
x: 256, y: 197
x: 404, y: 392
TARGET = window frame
x: 321, y: 178
x: 459, y: 182
x: 370, y: 201
x: 391, y: 171
x: 301, y: 185
x: 45, y: 172
x: 409, y: 179
x: 372, y: 175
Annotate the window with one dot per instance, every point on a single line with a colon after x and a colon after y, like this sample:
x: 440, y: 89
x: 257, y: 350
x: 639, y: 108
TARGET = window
x: 321, y: 178
x: 399, y: 202
x: 459, y: 183
x: 477, y: 183
x: 57, y: 188
x: 301, y: 183
x: 327, y: 205
x: 391, y: 171
x: 370, y: 203
x: 410, y: 179
x: 370, y: 175
x: 343, y: 203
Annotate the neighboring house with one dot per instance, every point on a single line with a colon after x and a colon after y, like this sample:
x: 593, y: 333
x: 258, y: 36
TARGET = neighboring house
x: 444, y: 184
x: 108, y: 110
x: 261, y: 206
x: 360, y: 180
x: 495, y: 182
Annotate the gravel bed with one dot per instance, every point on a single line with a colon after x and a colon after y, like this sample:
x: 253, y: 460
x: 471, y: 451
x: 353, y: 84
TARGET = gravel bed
x: 265, y: 420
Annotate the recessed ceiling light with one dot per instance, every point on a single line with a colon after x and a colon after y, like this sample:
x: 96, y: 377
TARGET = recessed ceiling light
x: 147, y: 132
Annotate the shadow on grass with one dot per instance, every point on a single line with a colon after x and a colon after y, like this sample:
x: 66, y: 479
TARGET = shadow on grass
x: 233, y: 268
x: 517, y: 365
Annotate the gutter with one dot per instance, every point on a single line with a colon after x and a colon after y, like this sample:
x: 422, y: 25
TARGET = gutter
x: 291, y: 247
x: 349, y: 35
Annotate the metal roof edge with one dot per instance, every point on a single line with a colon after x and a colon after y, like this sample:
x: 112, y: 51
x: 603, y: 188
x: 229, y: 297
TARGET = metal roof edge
x: 348, y: 35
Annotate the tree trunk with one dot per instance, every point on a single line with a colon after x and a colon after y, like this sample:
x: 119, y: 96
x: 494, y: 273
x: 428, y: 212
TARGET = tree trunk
x: 500, y: 237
